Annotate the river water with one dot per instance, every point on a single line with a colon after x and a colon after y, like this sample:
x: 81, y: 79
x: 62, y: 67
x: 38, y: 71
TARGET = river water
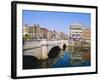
x: 66, y: 58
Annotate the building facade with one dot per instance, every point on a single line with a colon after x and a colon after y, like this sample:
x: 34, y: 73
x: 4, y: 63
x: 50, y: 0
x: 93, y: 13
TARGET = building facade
x: 49, y: 35
x: 76, y: 31
x: 32, y: 31
x: 87, y: 34
x: 27, y: 32
x: 35, y: 31
x: 43, y: 33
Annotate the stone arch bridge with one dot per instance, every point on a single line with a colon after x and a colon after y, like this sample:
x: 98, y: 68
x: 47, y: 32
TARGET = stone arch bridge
x: 41, y: 49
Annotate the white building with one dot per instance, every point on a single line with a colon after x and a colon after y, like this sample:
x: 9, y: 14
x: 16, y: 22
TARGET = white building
x: 76, y: 31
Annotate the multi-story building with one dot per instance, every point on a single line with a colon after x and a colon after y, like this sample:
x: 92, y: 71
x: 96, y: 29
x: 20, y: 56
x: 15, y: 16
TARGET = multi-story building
x: 43, y: 33
x: 62, y: 35
x: 66, y: 37
x: 76, y: 31
x: 86, y: 34
x: 35, y: 31
x: 49, y: 35
x: 27, y: 31
x: 32, y: 31
x: 58, y: 35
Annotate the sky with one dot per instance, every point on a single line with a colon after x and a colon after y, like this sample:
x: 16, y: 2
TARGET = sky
x: 58, y: 21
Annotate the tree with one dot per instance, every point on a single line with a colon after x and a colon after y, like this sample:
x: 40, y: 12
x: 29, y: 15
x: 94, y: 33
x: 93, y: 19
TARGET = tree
x: 27, y: 37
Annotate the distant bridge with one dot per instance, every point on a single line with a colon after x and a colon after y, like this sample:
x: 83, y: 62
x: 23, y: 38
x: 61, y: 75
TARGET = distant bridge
x: 41, y: 49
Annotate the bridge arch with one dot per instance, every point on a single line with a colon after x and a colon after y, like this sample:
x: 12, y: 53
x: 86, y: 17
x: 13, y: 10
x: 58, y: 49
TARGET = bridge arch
x: 64, y: 46
x: 54, y: 52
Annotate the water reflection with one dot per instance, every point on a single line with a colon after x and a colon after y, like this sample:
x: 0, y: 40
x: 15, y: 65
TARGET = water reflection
x: 74, y: 57
x: 70, y: 57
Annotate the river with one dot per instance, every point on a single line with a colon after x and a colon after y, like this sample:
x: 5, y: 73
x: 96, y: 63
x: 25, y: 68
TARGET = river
x: 66, y: 58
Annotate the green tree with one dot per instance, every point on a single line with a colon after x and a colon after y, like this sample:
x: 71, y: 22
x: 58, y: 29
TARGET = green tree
x: 27, y: 37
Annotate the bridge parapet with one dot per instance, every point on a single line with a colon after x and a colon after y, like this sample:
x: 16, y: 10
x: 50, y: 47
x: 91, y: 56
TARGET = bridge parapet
x: 41, y: 48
